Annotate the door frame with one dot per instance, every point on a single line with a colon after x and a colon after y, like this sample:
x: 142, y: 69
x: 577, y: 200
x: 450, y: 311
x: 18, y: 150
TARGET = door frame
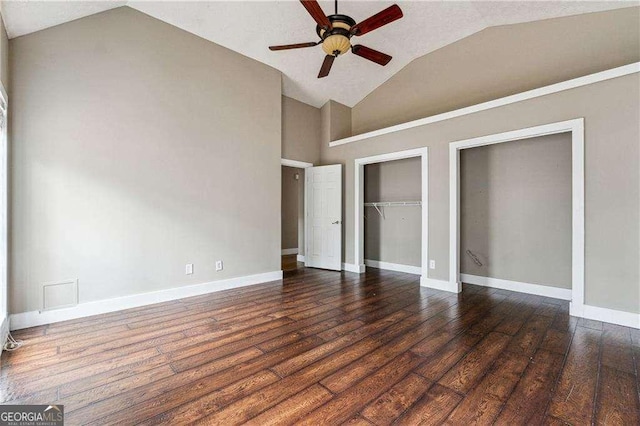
x: 576, y: 128
x: 358, y: 241
x: 295, y: 163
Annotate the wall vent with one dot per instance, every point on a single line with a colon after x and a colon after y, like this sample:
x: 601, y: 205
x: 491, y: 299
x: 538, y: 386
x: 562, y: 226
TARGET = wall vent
x: 60, y: 294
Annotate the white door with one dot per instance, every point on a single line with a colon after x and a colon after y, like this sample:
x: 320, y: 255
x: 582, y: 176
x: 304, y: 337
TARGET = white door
x: 323, y: 208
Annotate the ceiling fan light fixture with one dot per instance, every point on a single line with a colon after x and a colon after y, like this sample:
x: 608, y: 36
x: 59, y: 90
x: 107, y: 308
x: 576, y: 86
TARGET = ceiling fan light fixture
x: 336, y: 44
x: 335, y: 32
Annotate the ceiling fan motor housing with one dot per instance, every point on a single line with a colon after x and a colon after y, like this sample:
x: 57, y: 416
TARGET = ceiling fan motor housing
x: 336, y: 41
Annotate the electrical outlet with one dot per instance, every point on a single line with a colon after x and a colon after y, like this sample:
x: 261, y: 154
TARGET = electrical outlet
x: 218, y: 265
x: 432, y: 264
x: 188, y: 270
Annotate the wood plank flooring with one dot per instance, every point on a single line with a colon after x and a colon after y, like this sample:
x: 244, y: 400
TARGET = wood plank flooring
x: 290, y: 262
x: 324, y: 347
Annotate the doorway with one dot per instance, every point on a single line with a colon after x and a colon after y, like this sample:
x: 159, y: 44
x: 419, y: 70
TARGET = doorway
x: 359, y: 189
x: 576, y: 129
x: 515, y: 216
x: 392, y: 215
x: 292, y: 218
x: 311, y: 228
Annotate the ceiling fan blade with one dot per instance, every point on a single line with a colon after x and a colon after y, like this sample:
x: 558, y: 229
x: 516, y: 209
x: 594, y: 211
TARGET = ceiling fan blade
x: 293, y: 46
x: 316, y: 13
x: 388, y: 15
x: 370, y: 54
x: 326, y: 66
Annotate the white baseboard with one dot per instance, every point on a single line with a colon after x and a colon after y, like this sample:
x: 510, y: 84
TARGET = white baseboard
x: 34, y: 318
x: 613, y: 316
x: 300, y: 258
x: 350, y: 267
x: 539, y: 290
x: 285, y: 252
x: 440, y: 284
x: 416, y: 270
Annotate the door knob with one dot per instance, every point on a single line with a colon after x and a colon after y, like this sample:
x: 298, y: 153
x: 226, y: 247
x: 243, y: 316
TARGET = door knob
x: 337, y: 222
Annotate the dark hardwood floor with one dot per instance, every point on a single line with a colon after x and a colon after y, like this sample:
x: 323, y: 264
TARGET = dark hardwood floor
x: 289, y: 262
x: 330, y: 348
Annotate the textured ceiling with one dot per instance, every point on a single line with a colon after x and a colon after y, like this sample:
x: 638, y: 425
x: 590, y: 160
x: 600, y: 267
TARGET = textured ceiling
x: 249, y: 27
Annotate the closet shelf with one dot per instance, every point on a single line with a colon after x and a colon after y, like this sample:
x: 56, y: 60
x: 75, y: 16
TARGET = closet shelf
x: 393, y: 203
x: 379, y: 204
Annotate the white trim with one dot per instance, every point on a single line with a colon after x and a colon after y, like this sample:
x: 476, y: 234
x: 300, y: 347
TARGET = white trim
x: 34, y: 318
x: 576, y: 127
x: 4, y: 224
x: 627, y: 319
x: 300, y: 258
x: 398, y: 155
x: 520, y: 287
x: 350, y: 267
x: 358, y: 242
x: 295, y: 163
x: 438, y: 284
x: 285, y: 252
x: 388, y: 266
x: 305, y: 209
x: 519, y: 97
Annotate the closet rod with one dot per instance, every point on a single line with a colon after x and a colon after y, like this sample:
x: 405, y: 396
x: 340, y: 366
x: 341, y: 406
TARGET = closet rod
x: 379, y: 204
x: 393, y: 203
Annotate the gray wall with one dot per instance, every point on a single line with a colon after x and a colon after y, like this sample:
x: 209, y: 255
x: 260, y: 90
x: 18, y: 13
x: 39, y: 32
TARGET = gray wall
x: 515, y: 210
x: 612, y: 156
x: 301, y: 134
x: 501, y: 61
x: 290, y: 205
x: 139, y: 148
x: 396, y: 238
x: 336, y: 121
x: 300, y: 131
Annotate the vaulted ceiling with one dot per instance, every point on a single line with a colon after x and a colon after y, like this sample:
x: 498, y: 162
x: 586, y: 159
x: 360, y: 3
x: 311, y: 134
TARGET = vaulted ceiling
x: 249, y: 27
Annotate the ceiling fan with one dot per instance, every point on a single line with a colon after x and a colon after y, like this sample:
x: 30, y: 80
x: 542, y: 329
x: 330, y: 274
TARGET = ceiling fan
x: 335, y: 32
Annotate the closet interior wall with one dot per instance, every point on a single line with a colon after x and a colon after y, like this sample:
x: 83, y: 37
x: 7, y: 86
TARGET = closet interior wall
x: 393, y: 234
x: 515, y: 211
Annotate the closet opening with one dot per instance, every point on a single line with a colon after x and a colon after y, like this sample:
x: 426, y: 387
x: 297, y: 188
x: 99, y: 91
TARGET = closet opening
x: 398, y: 225
x: 393, y: 215
x: 515, y: 215
x: 464, y: 232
